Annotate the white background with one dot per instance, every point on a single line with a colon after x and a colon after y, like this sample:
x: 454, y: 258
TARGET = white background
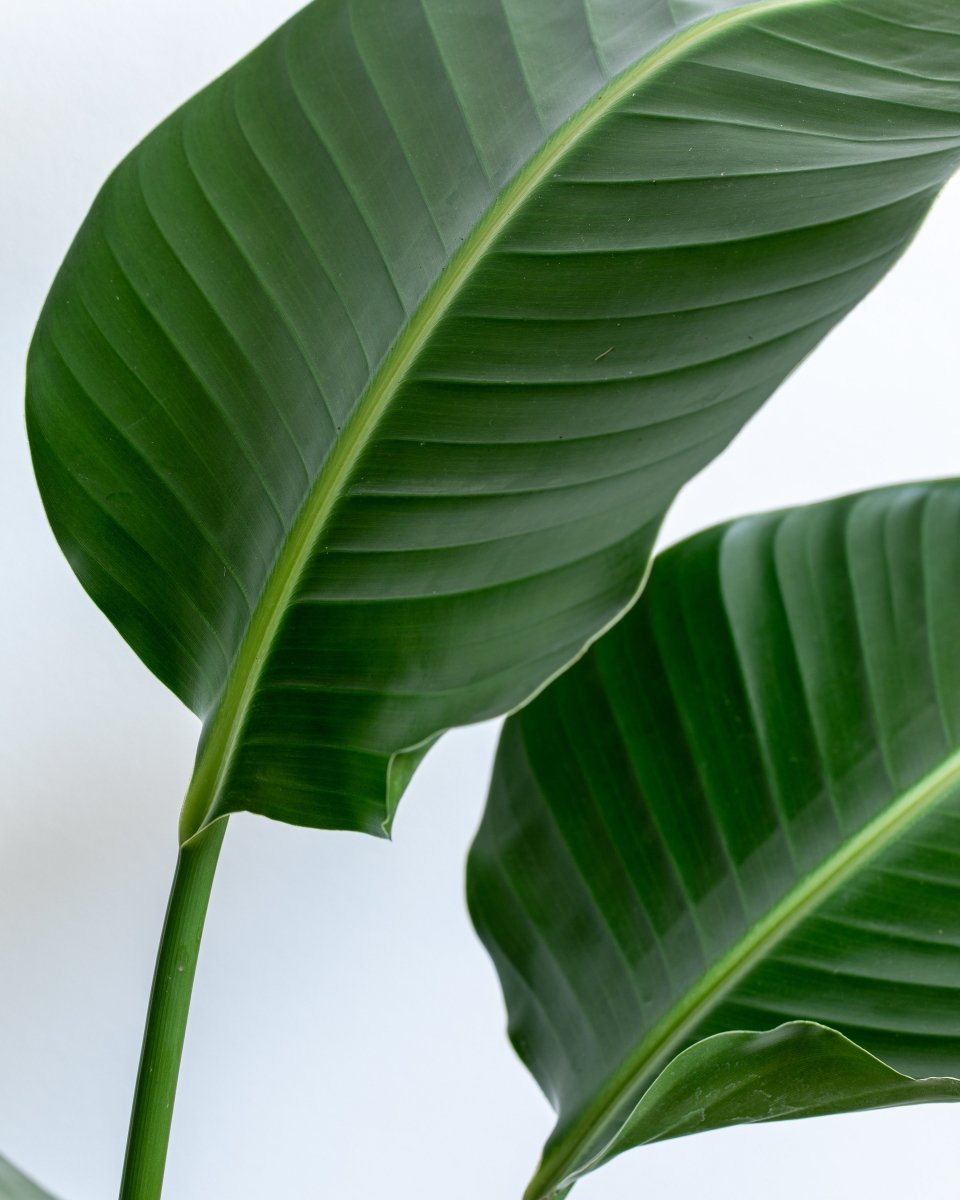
x: 346, y: 1037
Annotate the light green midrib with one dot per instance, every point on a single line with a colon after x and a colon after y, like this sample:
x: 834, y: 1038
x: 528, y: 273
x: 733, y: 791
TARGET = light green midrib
x: 223, y: 730
x: 561, y: 1165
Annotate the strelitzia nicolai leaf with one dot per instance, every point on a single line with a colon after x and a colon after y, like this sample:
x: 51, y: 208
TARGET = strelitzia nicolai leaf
x: 360, y: 395
x: 799, y: 1069
x: 14, y: 1185
x: 741, y: 808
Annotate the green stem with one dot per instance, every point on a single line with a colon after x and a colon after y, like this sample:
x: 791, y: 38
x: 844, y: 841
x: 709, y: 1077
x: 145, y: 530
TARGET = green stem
x: 156, y: 1088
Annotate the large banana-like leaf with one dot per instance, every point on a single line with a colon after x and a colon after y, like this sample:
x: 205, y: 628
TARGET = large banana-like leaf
x: 363, y: 388
x: 741, y: 808
x: 14, y: 1185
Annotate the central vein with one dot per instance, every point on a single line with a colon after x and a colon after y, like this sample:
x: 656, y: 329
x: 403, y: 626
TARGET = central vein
x: 595, y: 1133
x: 224, y: 727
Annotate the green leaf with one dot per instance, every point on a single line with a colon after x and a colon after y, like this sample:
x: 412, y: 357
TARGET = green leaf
x: 741, y: 808
x: 361, y: 393
x: 800, y: 1069
x: 16, y: 1186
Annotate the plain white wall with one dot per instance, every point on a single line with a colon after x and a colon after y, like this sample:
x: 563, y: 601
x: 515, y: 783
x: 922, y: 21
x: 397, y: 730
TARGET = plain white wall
x: 346, y: 1038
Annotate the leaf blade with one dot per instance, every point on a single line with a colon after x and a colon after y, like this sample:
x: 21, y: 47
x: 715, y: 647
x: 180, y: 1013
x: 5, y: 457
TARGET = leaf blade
x: 300, y: 363
x: 810, y: 1070
x: 738, y: 810
x: 14, y: 1185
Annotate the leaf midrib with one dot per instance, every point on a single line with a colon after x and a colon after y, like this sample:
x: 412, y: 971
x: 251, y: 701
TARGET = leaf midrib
x: 625, y: 1090
x: 223, y: 730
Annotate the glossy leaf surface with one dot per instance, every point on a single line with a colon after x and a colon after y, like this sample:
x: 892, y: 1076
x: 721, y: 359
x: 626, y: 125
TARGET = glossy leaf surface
x: 361, y: 393
x: 741, y: 808
x: 14, y: 1185
x: 800, y: 1069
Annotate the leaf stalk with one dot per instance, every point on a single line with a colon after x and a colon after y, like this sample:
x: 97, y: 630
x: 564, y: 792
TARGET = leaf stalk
x: 152, y: 1112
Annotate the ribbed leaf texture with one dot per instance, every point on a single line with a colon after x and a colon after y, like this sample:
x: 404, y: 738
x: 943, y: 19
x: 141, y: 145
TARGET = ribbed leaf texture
x: 741, y: 808
x: 360, y: 395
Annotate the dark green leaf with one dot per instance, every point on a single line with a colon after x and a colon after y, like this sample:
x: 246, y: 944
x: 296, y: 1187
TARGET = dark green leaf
x: 16, y: 1186
x: 361, y: 393
x: 741, y: 808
